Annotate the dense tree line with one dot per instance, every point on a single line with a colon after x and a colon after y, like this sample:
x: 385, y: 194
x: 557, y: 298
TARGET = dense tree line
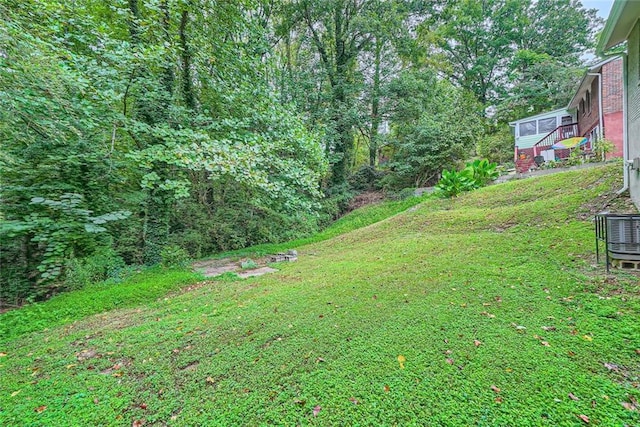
x: 138, y: 130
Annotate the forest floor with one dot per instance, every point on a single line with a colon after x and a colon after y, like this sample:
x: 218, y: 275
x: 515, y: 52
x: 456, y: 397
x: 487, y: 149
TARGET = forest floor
x: 484, y: 310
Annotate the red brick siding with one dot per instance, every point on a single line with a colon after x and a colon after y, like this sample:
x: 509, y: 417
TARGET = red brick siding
x: 589, y: 119
x: 612, y: 86
x: 613, y: 132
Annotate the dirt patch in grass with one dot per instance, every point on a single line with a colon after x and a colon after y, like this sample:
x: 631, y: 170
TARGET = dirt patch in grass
x: 364, y: 199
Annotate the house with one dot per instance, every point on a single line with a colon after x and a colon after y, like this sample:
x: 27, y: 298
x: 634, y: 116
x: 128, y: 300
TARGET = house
x: 623, y: 25
x: 535, y: 135
x: 597, y: 104
x: 594, y: 113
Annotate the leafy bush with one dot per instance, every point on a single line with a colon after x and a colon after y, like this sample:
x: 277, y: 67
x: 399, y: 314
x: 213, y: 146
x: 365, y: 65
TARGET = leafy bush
x: 366, y: 178
x: 453, y: 183
x: 483, y: 171
x: 475, y: 175
x: 104, y: 264
x: 603, y: 147
x: 174, y: 256
x: 497, y: 147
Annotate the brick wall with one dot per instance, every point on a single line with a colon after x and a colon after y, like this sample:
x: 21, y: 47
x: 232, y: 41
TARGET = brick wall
x: 612, y: 86
x: 588, y: 118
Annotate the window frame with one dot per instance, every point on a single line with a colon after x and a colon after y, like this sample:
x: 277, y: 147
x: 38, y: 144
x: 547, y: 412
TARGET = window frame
x: 547, y: 119
x: 535, y: 127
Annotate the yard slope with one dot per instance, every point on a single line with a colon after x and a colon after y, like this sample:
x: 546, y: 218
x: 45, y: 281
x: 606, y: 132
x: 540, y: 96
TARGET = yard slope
x: 483, y: 310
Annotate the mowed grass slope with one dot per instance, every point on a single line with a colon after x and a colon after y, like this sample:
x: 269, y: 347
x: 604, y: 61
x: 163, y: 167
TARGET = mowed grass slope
x: 491, y: 300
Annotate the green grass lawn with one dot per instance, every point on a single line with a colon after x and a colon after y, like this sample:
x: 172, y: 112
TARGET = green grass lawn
x: 492, y: 300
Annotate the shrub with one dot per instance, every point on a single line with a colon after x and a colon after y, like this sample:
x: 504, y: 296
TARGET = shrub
x: 483, y: 171
x: 174, y: 256
x: 453, y: 183
x: 104, y: 264
x: 475, y: 175
x: 366, y: 178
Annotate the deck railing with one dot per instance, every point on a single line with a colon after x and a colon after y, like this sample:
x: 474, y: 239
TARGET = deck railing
x: 558, y: 134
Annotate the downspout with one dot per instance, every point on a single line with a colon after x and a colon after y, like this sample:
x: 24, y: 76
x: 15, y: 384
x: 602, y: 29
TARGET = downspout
x: 625, y: 134
x: 600, y: 112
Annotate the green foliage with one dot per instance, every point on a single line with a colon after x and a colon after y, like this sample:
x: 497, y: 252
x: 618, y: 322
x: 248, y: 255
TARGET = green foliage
x: 453, y: 183
x: 488, y: 47
x: 60, y: 230
x: 174, y: 256
x: 497, y: 146
x: 601, y: 148
x: 483, y: 172
x: 435, y: 128
x: 366, y: 178
x: 142, y: 107
x: 105, y: 264
x: 475, y: 175
x: 248, y: 264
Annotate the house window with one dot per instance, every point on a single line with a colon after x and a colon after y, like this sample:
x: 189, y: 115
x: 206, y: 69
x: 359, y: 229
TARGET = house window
x: 547, y: 125
x: 588, y: 102
x: 527, y: 128
x: 567, y: 120
x: 581, y: 108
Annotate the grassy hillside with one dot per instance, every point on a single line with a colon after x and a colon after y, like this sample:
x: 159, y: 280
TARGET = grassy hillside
x: 485, y: 310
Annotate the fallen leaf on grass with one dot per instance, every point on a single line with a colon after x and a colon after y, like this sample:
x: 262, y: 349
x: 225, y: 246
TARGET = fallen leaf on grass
x: 549, y: 328
x: 300, y: 402
x: 401, y: 360
x: 450, y: 361
x: 15, y: 393
x: 573, y: 397
x: 637, y: 350
x: 477, y: 343
x: 210, y: 380
x: 611, y: 367
x: 316, y: 410
x: 3, y: 354
x: 584, y: 418
x: 629, y: 406
x: 143, y: 406
x: 587, y: 338
x: 353, y: 400
x: 498, y: 399
x: 137, y: 423
x: 495, y: 389
x: 544, y: 343
x: 386, y: 388
x: 40, y: 409
x: 448, y: 352
x: 319, y: 359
